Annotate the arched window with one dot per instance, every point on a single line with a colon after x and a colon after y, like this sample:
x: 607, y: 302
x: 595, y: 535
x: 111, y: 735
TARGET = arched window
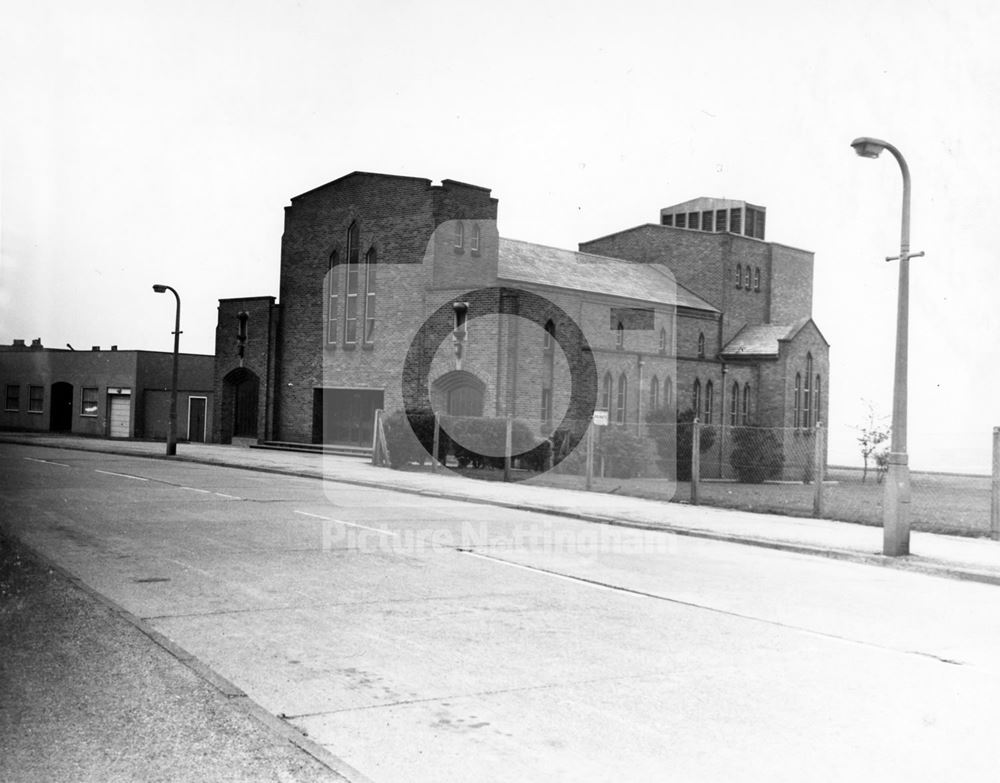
x: 746, y: 277
x: 474, y: 239
x: 654, y: 393
x: 734, y: 404
x: 739, y: 275
x: 701, y: 345
x: 816, y: 405
x: 668, y: 393
x: 333, y: 300
x: 351, y: 289
x: 622, y: 397
x: 756, y: 279
x: 709, y: 402
x: 353, y: 247
x: 606, y: 392
x: 746, y: 404
x: 459, y: 234
x: 371, y: 259
x: 620, y: 336
x: 550, y: 333
x: 807, y: 393
x: 663, y: 340
x: 696, y: 398
x: 798, y: 399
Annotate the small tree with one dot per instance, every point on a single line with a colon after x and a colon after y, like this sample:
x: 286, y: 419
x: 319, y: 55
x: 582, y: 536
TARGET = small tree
x: 871, y: 435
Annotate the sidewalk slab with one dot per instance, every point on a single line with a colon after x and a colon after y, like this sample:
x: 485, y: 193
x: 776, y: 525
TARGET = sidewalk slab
x: 976, y: 559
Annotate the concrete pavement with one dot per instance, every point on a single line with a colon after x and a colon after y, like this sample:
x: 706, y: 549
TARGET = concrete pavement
x: 973, y: 559
x: 85, y: 696
x: 668, y: 658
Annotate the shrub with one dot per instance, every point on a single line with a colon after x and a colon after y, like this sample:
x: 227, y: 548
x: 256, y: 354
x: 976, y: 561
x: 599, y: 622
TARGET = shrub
x: 412, y: 440
x: 570, y: 449
x: 537, y: 459
x: 684, y: 434
x: 626, y: 455
x: 757, y: 455
x: 480, y: 442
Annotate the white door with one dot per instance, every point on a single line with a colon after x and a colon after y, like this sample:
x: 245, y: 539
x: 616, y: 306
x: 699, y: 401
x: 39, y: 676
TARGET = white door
x: 120, y: 421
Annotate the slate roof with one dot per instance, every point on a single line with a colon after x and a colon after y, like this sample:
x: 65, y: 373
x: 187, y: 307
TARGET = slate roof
x: 551, y: 266
x: 761, y: 340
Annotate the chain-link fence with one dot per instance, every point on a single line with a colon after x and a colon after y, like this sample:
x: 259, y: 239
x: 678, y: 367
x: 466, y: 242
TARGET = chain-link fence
x: 764, y: 469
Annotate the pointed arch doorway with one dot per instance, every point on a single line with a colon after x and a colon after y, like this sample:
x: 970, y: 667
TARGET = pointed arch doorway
x: 240, y: 392
x: 459, y: 393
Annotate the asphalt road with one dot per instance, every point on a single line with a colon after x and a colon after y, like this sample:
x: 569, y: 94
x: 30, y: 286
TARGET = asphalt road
x: 423, y: 639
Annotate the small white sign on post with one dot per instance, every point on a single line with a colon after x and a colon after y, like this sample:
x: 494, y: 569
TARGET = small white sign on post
x: 600, y: 418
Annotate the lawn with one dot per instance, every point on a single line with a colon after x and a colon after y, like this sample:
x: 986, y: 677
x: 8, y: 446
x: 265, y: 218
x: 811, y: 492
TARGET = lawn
x: 940, y: 503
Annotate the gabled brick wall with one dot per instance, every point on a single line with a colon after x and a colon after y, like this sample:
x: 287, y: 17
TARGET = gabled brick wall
x: 398, y: 217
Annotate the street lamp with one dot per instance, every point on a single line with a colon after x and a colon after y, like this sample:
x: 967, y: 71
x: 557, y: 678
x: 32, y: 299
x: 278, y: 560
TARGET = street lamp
x: 172, y: 428
x: 896, y: 502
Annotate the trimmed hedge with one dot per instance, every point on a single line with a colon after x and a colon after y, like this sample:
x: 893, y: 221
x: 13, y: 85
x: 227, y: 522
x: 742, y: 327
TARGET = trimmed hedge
x: 474, y: 442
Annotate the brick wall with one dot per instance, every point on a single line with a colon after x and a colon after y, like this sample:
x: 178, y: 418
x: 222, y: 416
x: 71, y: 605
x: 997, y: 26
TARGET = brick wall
x: 791, y: 284
x: 143, y: 373
x: 707, y: 265
x: 397, y: 216
x: 422, y: 269
x: 255, y: 354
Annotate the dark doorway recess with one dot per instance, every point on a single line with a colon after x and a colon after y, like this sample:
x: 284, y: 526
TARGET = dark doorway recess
x: 62, y: 407
x: 240, y: 390
x: 196, y: 419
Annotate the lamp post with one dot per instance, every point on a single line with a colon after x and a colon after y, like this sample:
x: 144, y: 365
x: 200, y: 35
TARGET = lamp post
x: 896, y: 502
x: 172, y: 427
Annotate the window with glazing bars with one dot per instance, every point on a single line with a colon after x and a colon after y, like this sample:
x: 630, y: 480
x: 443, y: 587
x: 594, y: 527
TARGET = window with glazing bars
x: 351, y: 287
x: 371, y: 265
x: 333, y: 300
x: 622, y: 397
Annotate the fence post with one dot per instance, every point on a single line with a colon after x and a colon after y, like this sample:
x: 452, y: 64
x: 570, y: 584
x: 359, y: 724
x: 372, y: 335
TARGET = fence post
x: 437, y: 442
x: 590, y: 455
x: 375, y: 443
x: 995, y: 501
x: 695, y: 460
x: 507, y: 448
x: 819, y: 469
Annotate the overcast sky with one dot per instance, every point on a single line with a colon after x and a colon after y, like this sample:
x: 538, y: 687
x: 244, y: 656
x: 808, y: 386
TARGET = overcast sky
x: 152, y: 142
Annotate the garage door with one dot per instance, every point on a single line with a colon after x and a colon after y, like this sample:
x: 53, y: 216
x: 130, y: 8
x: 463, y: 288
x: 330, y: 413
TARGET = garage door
x: 120, y: 420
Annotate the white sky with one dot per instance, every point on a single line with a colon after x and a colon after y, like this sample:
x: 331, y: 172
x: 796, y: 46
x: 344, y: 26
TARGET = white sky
x: 152, y: 142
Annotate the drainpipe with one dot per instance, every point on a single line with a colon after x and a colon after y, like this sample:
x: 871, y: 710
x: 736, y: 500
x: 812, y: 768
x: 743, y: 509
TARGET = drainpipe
x: 722, y: 426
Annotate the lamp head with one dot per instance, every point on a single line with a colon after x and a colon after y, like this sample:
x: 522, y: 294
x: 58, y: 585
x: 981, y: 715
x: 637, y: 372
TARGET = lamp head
x: 867, y: 147
x: 160, y: 289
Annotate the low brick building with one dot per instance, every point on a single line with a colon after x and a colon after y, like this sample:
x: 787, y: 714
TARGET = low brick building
x: 109, y: 393
x: 382, y: 275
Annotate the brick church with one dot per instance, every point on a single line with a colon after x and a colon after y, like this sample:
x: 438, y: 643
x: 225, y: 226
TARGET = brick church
x: 396, y: 292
